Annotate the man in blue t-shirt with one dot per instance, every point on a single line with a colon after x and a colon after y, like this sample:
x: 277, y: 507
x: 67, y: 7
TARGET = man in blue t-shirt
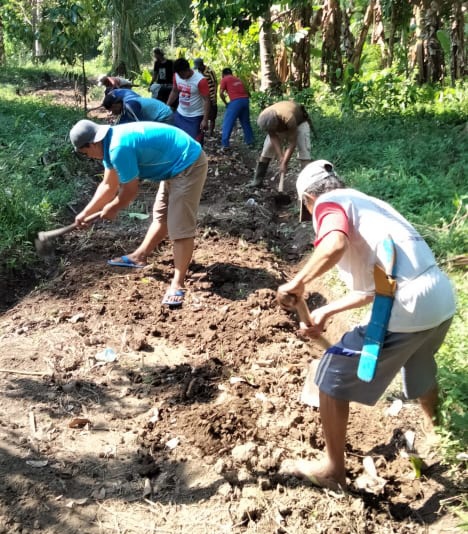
x: 156, y: 152
x: 129, y: 108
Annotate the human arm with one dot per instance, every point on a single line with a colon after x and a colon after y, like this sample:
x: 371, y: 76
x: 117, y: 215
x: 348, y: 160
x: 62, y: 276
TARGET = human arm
x: 206, y: 112
x: 276, y: 144
x: 223, y: 92
x: 173, y: 94
x: 105, y: 193
x: 325, y: 256
x: 154, y: 77
x: 319, y: 317
x: 127, y: 193
x: 222, y: 95
x: 292, y: 142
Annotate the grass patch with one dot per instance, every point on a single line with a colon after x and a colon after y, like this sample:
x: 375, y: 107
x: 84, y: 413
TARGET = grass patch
x: 39, y: 173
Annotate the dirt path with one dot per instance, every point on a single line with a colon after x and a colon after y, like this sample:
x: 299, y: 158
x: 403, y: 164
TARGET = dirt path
x: 185, y: 430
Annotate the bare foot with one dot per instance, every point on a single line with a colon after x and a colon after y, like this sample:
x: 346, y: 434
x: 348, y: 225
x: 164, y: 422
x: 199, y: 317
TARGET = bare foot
x: 317, y: 473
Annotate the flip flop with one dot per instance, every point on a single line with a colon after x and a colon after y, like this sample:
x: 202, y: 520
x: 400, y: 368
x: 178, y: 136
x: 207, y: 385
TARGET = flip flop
x: 125, y: 261
x: 171, y: 293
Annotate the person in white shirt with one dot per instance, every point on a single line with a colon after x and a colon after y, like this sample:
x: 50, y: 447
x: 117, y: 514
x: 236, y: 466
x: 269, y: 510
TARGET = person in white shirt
x: 349, y: 227
x: 193, y: 110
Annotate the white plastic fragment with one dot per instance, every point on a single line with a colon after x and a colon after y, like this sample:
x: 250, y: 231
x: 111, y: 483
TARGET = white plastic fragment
x: 369, y: 466
x: 37, y: 463
x: 409, y: 439
x: 370, y: 480
x: 107, y: 355
x: 172, y: 443
x: 395, y: 408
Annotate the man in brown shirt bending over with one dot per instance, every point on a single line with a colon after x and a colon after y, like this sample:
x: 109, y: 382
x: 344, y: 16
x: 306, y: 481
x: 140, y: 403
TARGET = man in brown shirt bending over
x: 283, y: 121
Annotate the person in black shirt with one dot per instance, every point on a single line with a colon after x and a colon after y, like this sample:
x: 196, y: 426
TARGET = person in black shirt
x: 163, y: 71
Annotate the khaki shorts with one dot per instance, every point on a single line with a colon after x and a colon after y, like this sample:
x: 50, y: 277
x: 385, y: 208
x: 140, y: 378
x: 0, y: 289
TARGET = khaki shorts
x: 413, y: 353
x: 303, y: 143
x: 178, y: 198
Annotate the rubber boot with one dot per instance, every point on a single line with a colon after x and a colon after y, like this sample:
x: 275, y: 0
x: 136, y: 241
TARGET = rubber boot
x: 260, y: 173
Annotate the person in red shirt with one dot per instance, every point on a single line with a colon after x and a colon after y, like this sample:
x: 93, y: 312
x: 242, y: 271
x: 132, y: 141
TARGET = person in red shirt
x: 236, y: 108
x: 114, y: 82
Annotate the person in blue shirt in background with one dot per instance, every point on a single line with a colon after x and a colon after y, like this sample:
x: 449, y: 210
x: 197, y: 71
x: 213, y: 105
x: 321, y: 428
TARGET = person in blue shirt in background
x: 129, y: 108
x: 157, y: 152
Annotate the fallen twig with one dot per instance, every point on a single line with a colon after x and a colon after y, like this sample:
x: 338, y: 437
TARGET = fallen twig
x: 29, y: 373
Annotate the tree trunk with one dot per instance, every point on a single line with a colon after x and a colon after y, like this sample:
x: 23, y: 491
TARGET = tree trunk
x: 378, y: 33
x: 391, y: 36
x: 269, y: 79
x: 85, y: 84
x: 356, y: 58
x: 2, y: 43
x: 300, y: 59
x: 457, y: 36
x: 332, y: 63
x: 348, y: 37
x: 36, y: 22
x: 434, y: 57
x: 428, y: 56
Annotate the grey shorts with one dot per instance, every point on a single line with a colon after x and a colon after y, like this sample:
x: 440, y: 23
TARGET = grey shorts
x: 413, y: 353
x: 178, y: 199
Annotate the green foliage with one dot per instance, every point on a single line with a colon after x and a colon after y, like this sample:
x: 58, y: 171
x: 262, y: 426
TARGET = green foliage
x: 453, y: 378
x: 18, y: 30
x: 444, y: 39
x: 382, y: 91
x: 214, y: 16
x: 234, y: 49
x: 68, y: 30
x: 36, y: 166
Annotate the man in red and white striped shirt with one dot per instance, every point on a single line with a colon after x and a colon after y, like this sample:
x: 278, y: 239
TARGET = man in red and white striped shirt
x: 194, y: 100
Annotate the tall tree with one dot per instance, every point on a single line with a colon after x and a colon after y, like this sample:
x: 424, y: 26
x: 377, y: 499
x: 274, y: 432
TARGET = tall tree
x: 378, y: 33
x: 269, y: 77
x: 300, y: 58
x: 2, y: 43
x: 357, y: 53
x: 332, y: 62
x: 457, y: 37
x: 429, y: 54
x: 214, y: 16
x: 126, y: 52
x: 36, y: 22
x: 397, y: 14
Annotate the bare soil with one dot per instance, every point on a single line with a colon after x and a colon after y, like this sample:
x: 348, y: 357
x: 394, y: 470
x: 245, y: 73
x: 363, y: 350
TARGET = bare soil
x: 186, y: 429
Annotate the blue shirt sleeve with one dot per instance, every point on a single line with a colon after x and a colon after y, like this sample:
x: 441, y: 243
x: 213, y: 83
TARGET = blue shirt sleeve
x: 124, y: 160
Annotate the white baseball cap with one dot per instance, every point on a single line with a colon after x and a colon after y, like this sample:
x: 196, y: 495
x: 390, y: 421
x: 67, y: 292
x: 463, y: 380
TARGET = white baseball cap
x: 313, y: 172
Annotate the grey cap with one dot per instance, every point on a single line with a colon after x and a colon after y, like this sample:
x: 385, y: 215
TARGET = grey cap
x: 197, y: 63
x: 310, y: 174
x: 85, y: 132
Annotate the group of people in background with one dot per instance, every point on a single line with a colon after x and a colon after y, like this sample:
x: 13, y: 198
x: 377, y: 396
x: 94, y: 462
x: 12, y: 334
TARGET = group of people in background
x: 191, y: 93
